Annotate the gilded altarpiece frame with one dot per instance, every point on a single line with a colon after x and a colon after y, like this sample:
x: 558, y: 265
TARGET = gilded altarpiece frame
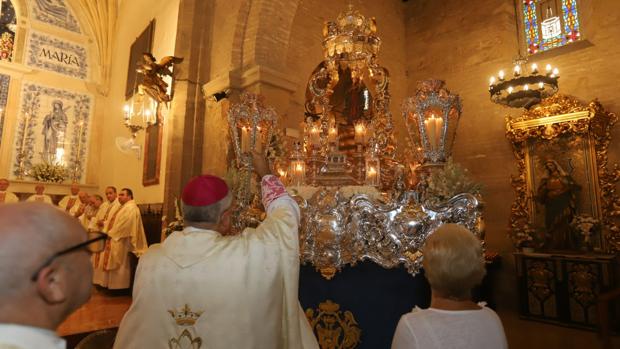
x: 575, y: 137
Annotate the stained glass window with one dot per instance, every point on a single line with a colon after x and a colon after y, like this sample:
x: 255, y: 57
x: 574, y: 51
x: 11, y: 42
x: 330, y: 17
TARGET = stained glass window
x: 550, y: 23
x: 8, y: 25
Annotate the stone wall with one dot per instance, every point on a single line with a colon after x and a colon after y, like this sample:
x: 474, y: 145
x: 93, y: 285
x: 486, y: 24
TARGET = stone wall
x: 465, y: 44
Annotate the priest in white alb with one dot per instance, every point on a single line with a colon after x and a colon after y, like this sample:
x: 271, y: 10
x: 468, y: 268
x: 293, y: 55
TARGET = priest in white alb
x: 125, y: 236
x: 206, y: 285
x: 70, y: 203
x: 6, y: 197
x: 88, y: 218
x: 100, y: 223
x: 39, y: 195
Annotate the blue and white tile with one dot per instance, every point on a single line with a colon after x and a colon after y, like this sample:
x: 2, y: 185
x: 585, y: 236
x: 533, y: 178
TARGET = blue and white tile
x: 57, y: 55
x: 5, y: 80
x: 36, y: 104
x: 56, y: 13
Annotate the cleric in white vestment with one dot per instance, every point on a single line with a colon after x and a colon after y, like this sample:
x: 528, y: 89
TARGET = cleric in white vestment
x: 218, y: 291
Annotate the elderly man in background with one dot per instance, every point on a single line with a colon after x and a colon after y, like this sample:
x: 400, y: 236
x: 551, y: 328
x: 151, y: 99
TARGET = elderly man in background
x: 80, y: 208
x: 88, y: 218
x: 6, y: 197
x: 206, y: 285
x: 70, y: 202
x: 125, y: 236
x: 454, y: 265
x: 44, y: 273
x: 39, y: 196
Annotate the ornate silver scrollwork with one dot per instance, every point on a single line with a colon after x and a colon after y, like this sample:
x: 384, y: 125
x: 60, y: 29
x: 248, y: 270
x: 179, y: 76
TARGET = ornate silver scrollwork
x: 336, y: 231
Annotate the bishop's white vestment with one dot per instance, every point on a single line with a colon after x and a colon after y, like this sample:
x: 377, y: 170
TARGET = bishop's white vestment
x: 125, y: 235
x: 223, y: 292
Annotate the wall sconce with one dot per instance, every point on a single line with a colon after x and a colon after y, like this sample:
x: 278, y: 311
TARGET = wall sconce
x: 140, y: 113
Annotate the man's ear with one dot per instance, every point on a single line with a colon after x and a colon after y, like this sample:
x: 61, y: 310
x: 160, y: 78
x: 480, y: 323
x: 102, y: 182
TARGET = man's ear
x: 52, y: 284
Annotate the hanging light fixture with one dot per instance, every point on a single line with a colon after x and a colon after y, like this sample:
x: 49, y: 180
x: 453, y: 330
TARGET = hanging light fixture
x: 140, y: 112
x: 524, y: 89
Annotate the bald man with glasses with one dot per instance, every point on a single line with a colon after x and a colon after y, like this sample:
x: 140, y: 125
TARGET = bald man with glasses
x: 45, y: 273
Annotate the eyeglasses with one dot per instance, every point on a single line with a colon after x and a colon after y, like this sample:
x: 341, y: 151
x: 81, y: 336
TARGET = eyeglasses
x: 90, y: 245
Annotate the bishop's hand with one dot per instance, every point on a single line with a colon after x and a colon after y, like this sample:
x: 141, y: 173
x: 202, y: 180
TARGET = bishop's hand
x: 261, y: 164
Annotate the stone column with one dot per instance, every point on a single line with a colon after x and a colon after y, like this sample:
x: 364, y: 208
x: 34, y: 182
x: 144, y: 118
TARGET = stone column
x: 186, y: 120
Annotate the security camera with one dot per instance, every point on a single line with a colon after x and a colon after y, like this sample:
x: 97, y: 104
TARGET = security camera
x: 218, y: 96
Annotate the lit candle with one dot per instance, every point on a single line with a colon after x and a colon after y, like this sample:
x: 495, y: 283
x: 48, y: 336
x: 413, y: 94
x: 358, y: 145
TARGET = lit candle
x: 548, y: 68
x: 431, y: 130
x: 332, y: 135
x: 500, y: 75
x: 526, y: 87
x: 127, y: 110
x: 541, y: 85
x: 510, y: 89
x: 438, y: 129
x: 534, y: 68
x: 147, y: 116
x: 371, y: 175
x: 315, y: 138
x: 360, y: 133
x: 492, y: 80
x: 245, y: 139
x: 517, y: 70
x: 556, y: 72
x: 298, y: 172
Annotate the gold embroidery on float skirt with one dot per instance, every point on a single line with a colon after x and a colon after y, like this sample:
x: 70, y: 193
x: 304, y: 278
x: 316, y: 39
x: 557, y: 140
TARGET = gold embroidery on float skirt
x: 333, y: 328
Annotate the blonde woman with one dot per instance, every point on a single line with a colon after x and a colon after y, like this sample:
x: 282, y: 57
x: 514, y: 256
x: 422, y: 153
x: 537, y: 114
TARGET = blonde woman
x: 453, y: 264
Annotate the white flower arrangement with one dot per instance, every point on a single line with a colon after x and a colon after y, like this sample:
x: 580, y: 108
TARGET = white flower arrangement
x: 44, y: 172
x: 525, y: 237
x: 306, y: 191
x: 586, y: 225
x: 177, y: 224
x: 449, y: 181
